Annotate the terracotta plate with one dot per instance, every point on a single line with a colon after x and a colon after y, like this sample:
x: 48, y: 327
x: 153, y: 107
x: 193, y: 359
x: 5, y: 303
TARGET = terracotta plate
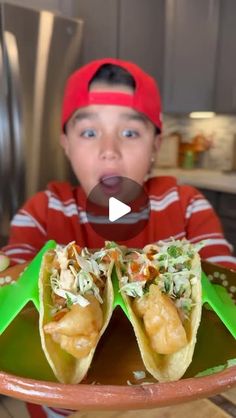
x: 110, y: 383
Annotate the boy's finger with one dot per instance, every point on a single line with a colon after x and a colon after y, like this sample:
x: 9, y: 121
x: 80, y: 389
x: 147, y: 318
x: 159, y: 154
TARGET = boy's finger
x: 14, y: 271
x: 4, y: 262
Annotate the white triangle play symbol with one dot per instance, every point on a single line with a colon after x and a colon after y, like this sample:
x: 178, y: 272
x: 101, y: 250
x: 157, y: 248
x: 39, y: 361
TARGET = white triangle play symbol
x: 117, y: 209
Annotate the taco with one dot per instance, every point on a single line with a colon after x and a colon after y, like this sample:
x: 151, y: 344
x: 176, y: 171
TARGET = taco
x: 161, y: 286
x: 76, y: 299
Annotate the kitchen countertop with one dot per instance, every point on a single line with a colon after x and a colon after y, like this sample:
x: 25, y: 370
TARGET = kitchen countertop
x: 198, y: 177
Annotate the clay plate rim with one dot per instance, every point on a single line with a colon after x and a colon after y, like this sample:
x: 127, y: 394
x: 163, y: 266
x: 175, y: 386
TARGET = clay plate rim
x: 116, y: 397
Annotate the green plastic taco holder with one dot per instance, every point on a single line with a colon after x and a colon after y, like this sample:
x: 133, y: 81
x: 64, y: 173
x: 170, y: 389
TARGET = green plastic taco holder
x: 220, y: 301
x: 13, y: 297
x: 118, y: 300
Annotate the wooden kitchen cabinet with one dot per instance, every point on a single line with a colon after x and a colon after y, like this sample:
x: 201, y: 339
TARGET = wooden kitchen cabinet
x: 190, y: 54
x: 229, y: 226
x: 188, y: 46
x: 212, y: 196
x: 225, y: 98
x: 174, y: 40
x: 131, y: 30
x: 100, y: 32
x: 61, y: 6
x: 141, y: 35
x: 181, y: 43
x: 225, y: 207
x: 227, y: 214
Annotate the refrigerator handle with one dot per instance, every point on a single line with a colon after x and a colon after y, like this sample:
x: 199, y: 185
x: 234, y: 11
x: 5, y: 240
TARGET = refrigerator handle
x: 5, y: 144
x: 16, y: 128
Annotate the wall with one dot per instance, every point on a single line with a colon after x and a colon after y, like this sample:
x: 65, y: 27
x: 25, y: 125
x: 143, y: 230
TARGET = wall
x: 221, y: 128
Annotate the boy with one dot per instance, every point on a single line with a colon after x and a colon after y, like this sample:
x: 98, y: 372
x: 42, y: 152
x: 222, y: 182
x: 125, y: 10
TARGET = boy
x: 111, y: 121
x: 111, y: 124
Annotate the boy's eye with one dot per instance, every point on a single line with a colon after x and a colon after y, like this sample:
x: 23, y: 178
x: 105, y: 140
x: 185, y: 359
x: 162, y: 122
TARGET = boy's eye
x: 88, y: 133
x: 130, y: 133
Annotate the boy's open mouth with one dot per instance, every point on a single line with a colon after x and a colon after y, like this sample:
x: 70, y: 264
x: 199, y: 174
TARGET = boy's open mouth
x: 111, y: 185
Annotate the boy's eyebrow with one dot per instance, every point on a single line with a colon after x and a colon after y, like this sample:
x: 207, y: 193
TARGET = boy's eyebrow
x: 84, y: 115
x: 128, y: 116
x: 135, y: 116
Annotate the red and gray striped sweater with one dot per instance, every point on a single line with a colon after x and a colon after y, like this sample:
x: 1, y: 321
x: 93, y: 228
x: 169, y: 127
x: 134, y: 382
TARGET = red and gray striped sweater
x: 59, y: 213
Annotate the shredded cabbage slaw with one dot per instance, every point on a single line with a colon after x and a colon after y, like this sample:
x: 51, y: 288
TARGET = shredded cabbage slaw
x: 77, y: 272
x: 166, y: 264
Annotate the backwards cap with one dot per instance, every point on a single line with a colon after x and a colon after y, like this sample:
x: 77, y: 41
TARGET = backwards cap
x: 145, y: 99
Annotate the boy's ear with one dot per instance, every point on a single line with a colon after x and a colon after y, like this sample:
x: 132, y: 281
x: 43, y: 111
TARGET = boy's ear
x: 64, y: 143
x: 157, y: 142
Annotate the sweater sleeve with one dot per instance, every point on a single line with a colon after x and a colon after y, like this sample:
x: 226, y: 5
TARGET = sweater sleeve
x: 203, y: 224
x: 28, y: 230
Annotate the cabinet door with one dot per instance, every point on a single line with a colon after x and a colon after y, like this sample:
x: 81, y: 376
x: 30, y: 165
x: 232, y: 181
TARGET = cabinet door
x: 227, y: 205
x: 226, y: 62
x: 141, y: 34
x: 229, y: 228
x: 212, y: 196
x: 52, y: 5
x: 100, y: 28
x: 190, y: 54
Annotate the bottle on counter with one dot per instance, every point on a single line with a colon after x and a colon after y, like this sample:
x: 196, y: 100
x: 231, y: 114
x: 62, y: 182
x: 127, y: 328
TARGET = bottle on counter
x: 188, y: 160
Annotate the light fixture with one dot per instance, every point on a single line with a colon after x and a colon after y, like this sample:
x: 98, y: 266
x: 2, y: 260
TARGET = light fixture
x: 201, y: 115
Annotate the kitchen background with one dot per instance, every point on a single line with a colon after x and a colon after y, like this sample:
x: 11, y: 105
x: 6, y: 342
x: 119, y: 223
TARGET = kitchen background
x: 189, y: 48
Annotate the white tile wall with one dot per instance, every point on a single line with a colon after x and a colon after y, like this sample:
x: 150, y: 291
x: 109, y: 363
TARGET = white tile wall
x: 222, y: 128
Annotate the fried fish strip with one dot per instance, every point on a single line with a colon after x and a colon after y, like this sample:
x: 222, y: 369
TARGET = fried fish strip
x: 161, y: 321
x: 77, y: 331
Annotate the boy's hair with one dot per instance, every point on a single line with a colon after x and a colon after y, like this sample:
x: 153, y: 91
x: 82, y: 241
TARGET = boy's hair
x: 145, y: 98
x: 113, y: 75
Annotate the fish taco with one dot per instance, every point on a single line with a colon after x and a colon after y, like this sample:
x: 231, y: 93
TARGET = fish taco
x: 161, y: 286
x: 76, y: 299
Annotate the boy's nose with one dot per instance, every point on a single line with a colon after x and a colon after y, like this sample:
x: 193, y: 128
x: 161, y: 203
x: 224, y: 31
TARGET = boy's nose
x: 109, y: 148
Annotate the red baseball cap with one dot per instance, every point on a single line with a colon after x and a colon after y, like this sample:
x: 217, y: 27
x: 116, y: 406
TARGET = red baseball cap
x: 145, y: 99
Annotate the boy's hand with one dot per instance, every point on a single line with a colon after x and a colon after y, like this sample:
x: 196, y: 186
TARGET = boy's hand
x: 4, y: 262
x: 13, y: 272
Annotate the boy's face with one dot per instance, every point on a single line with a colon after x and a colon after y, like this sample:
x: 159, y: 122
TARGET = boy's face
x: 103, y: 141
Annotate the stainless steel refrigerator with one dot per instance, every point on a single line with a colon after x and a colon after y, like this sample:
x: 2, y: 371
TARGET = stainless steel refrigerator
x: 38, y: 50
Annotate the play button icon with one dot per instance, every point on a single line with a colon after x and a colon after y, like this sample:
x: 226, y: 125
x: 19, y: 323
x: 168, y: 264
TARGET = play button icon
x: 117, y: 209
